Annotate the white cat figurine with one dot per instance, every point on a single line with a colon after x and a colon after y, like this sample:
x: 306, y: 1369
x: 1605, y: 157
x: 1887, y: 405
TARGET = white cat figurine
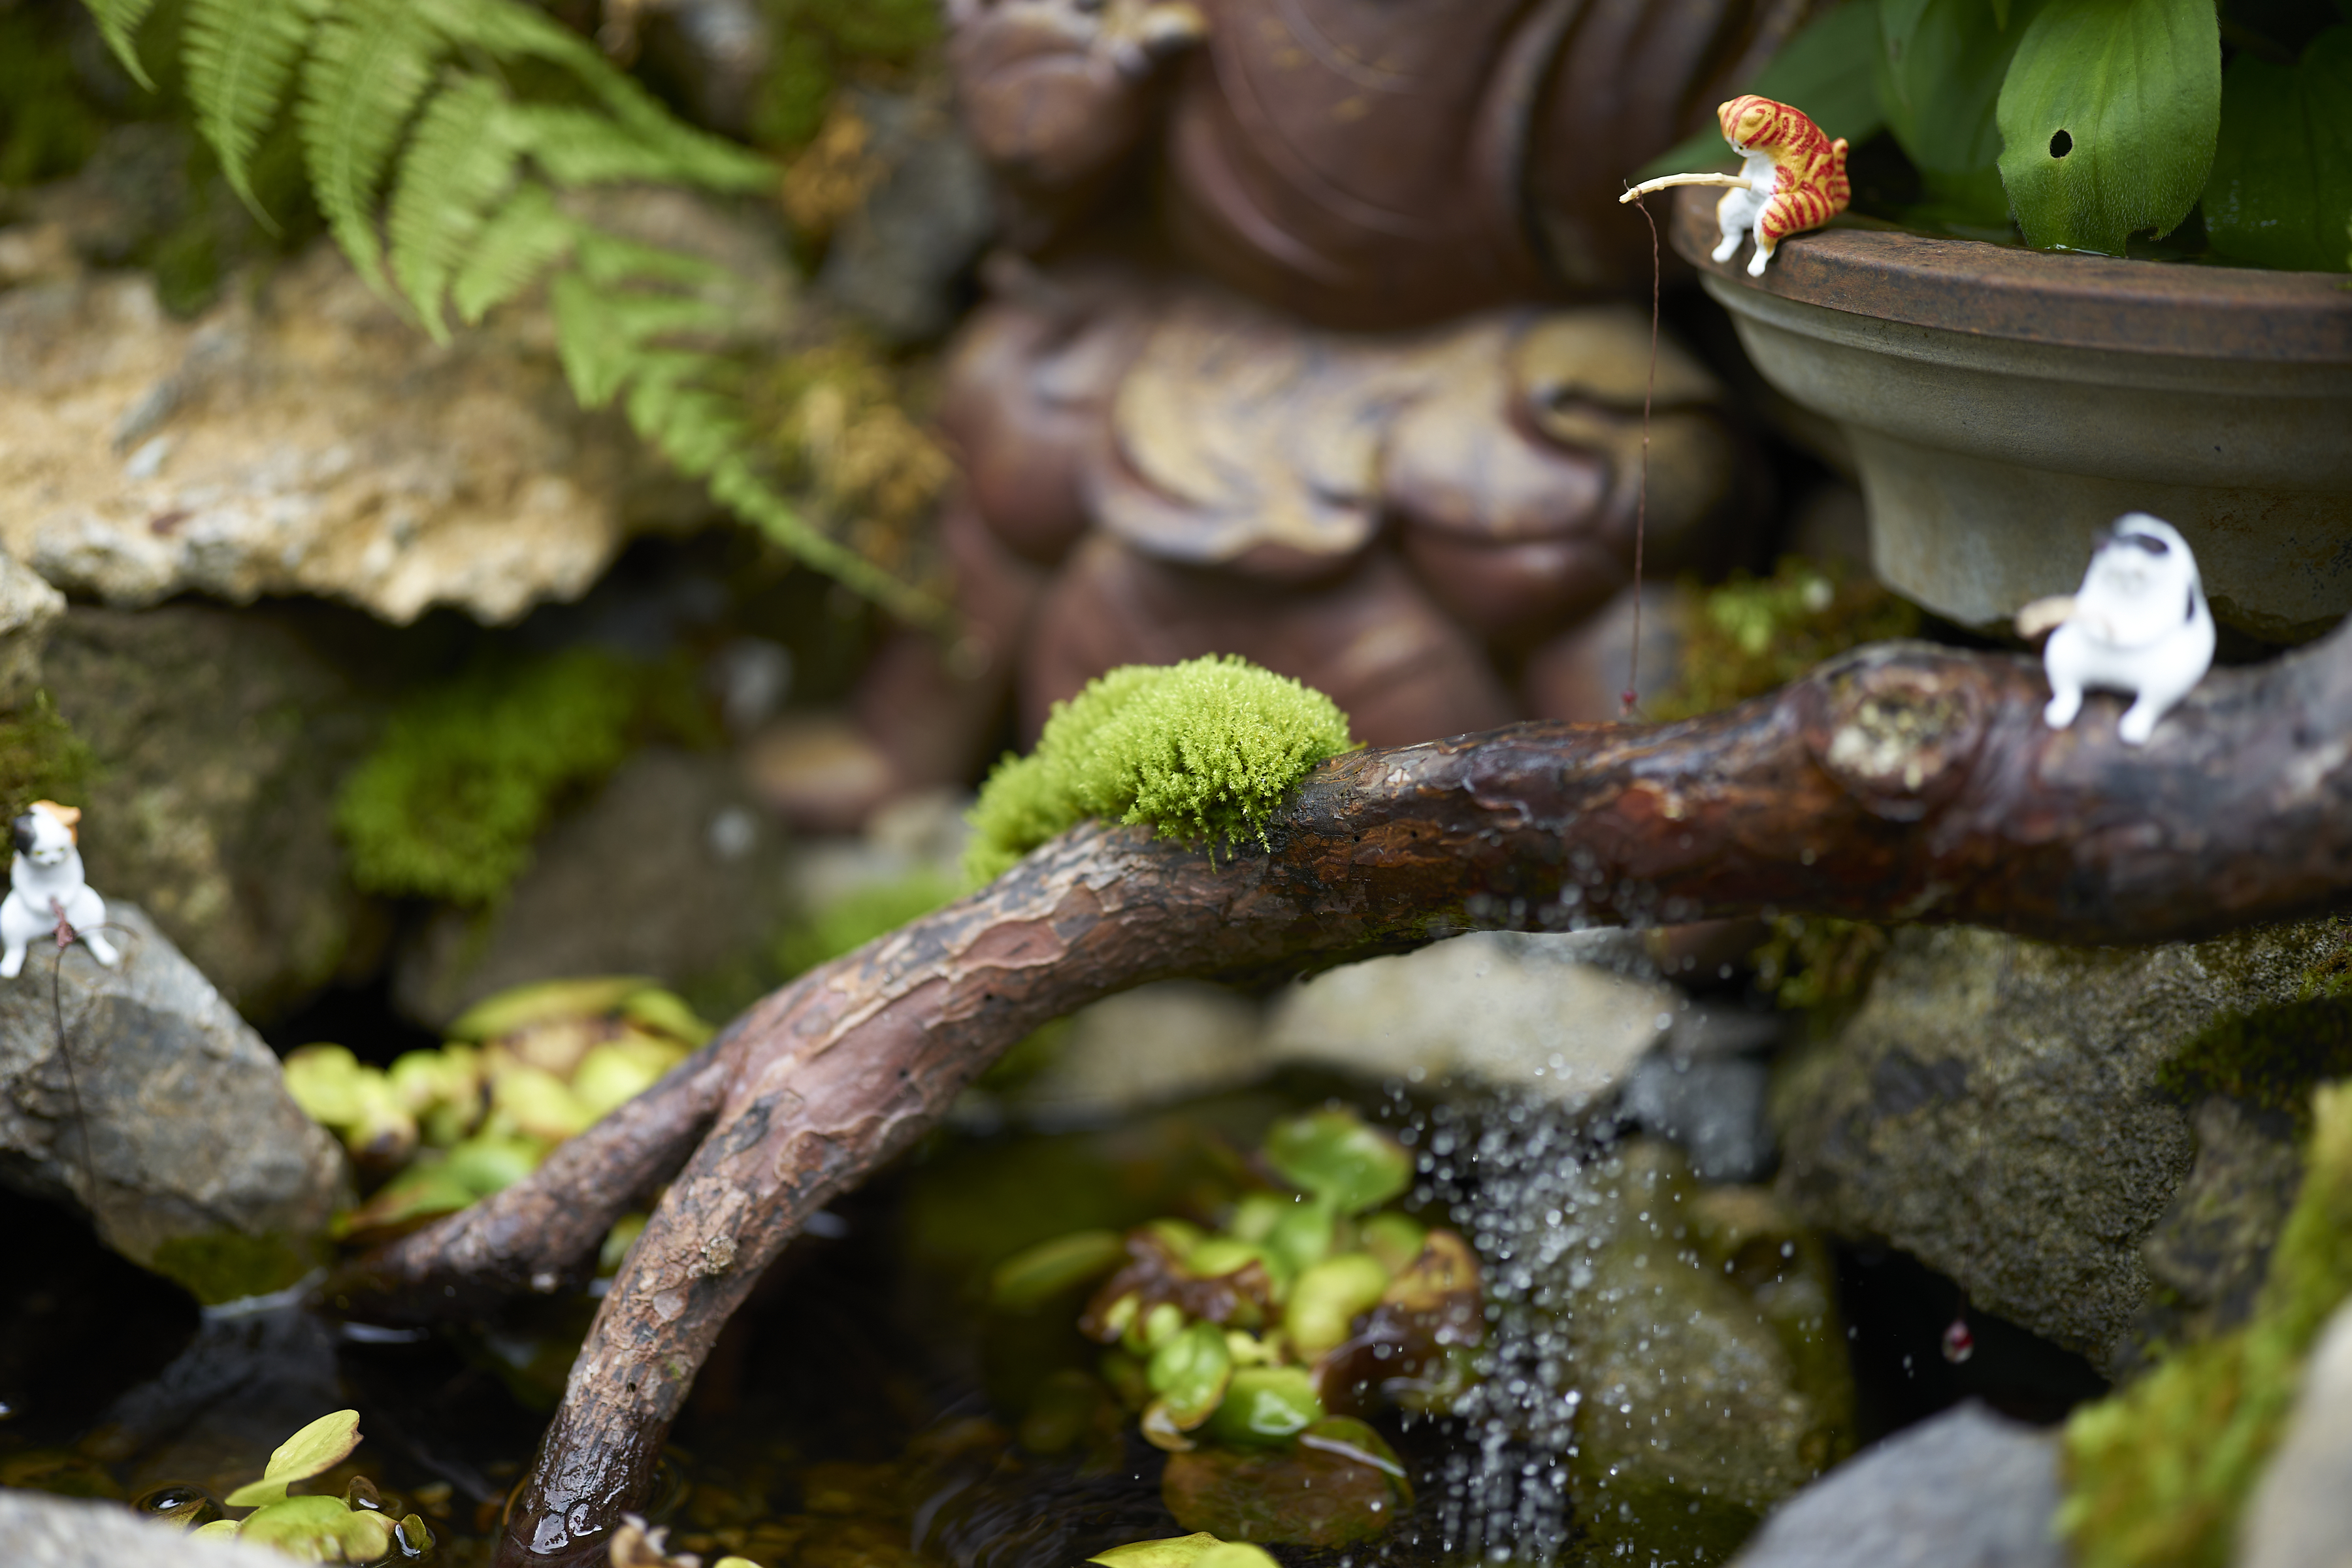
x: 2138, y: 625
x: 44, y: 887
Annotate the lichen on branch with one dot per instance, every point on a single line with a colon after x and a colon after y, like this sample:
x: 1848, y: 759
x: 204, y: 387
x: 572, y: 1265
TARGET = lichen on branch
x: 1199, y: 751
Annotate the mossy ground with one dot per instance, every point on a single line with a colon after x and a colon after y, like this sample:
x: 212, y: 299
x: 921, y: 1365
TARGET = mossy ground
x: 820, y: 44
x: 2271, y: 1057
x: 1754, y: 635
x: 2157, y: 1474
x: 1201, y: 751
x: 467, y: 772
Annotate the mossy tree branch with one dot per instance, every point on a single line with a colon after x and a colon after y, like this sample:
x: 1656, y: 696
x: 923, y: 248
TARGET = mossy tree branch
x: 1900, y: 782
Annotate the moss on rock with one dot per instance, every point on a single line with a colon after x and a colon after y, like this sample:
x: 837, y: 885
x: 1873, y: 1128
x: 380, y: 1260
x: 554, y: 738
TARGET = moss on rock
x: 466, y: 773
x: 2157, y: 1474
x: 1200, y: 750
x: 41, y: 758
x: 1753, y: 635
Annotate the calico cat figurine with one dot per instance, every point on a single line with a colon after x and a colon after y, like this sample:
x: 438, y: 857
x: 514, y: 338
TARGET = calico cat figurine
x: 1791, y: 178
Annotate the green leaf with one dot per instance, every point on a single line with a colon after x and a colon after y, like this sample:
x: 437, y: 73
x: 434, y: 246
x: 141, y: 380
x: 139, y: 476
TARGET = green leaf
x: 1265, y: 1405
x: 460, y: 163
x: 1189, y: 1372
x: 1823, y: 70
x: 526, y: 236
x: 240, y: 56
x: 320, y: 1446
x: 1938, y: 70
x: 1037, y: 1274
x: 118, y: 24
x: 1334, y: 1154
x: 1184, y: 1552
x: 319, y: 1530
x: 371, y: 62
x: 2281, y: 174
x: 2109, y: 119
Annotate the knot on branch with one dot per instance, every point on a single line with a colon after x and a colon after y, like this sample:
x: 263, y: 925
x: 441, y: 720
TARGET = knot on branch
x: 1897, y: 728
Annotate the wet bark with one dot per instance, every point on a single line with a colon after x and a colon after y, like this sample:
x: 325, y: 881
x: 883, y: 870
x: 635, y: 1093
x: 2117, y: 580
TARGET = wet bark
x: 1901, y: 782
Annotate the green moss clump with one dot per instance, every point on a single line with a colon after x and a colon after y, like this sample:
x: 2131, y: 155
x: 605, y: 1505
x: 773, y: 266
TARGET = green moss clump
x: 229, y: 1265
x: 41, y: 758
x: 2156, y: 1474
x: 1200, y: 750
x: 448, y: 802
x: 2268, y: 1057
x: 1815, y: 962
x: 819, y: 43
x: 1755, y: 635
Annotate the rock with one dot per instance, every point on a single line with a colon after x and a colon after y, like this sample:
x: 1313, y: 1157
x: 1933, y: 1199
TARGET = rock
x: 1143, y: 1048
x: 1505, y: 1007
x: 2213, y: 1248
x: 1710, y: 1105
x: 38, y: 1531
x: 2301, y: 1515
x: 205, y: 1168
x: 29, y: 608
x: 1995, y: 1107
x: 305, y: 437
x: 1702, y: 1332
x: 220, y: 740
x: 667, y: 871
x: 1966, y: 1489
x: 894, y: 260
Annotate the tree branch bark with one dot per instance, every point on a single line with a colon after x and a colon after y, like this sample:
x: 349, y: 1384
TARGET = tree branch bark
x: 1901, y: 782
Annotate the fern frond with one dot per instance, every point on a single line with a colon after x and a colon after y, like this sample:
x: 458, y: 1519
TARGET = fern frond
x: 686, y: 155
x: 526, y: 237
x: 118, y: 24
x: 737, y: 485
x: 240, y: 56
x: 580, y: 147
x: 606, y: 338
x: 460, y: 163
x: 371, y: 61
x: 609, y: 260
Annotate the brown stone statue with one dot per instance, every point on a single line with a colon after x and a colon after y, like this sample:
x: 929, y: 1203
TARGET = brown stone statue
x: 1357, y: 162
x: 1287, y: 359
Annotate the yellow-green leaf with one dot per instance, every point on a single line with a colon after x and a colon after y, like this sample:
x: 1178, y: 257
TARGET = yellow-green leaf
x: 320, y: 1446
x: 2108, y: 118
x: 319, y: 1530
x: 1200, y: 1551
x: 1037, y: 1274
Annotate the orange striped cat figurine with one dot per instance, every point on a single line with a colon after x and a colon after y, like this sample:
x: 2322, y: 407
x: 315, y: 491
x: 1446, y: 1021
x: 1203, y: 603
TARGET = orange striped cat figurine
x: 1792, y: 177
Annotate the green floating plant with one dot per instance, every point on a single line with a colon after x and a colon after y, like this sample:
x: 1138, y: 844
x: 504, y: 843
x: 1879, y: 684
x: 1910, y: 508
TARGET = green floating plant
x: 318, y: 1529
x: 1224, y: 1345
x: 1201, y: 1549
x: 1201, y: 751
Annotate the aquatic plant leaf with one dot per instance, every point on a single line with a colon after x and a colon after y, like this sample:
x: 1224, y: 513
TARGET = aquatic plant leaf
x: 538, y: 1002
x: 1824, y: 70
x: 1189, y: 1372
x: 2281, y: 176
x: 2108, y: 119
x: 240, y: 56
x: 218, y: 1529
x: 1185, y: 1552
x: 1334, y: 1154
x: 1393, y: 1238
x: 1344, y: 1490
x: 319, y: 1530
x: 1326, y: 1299
x: 318, y: 1448
x: 1938, y: 70
x: 1266, y: 1405
x: 1302, y: 1237
x: 666, y: 1013
x: 1037, y: 1274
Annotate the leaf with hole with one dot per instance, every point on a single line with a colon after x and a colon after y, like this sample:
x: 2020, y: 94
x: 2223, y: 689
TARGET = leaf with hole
x: 2281, y: 178
x: 1938, y: 69
x: 2108, y: 119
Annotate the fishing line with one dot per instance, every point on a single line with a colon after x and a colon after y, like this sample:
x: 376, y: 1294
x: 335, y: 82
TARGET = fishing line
x: 1631, y: 696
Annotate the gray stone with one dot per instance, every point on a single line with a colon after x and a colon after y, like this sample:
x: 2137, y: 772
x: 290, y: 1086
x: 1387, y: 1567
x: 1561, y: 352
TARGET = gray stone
x: 28, y: 609
x: 1144, y: 1048
x: 1502, y: 1007
x: 1993, y: 1109
x: 220, y: 740
x: 2301, y: 1516
x: 668, y: 872
x: 894, y: 262
x: 1711, y: 1107
x: 41, y: 1531
x: 161, y: 1114
x: 1966, y: 1489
